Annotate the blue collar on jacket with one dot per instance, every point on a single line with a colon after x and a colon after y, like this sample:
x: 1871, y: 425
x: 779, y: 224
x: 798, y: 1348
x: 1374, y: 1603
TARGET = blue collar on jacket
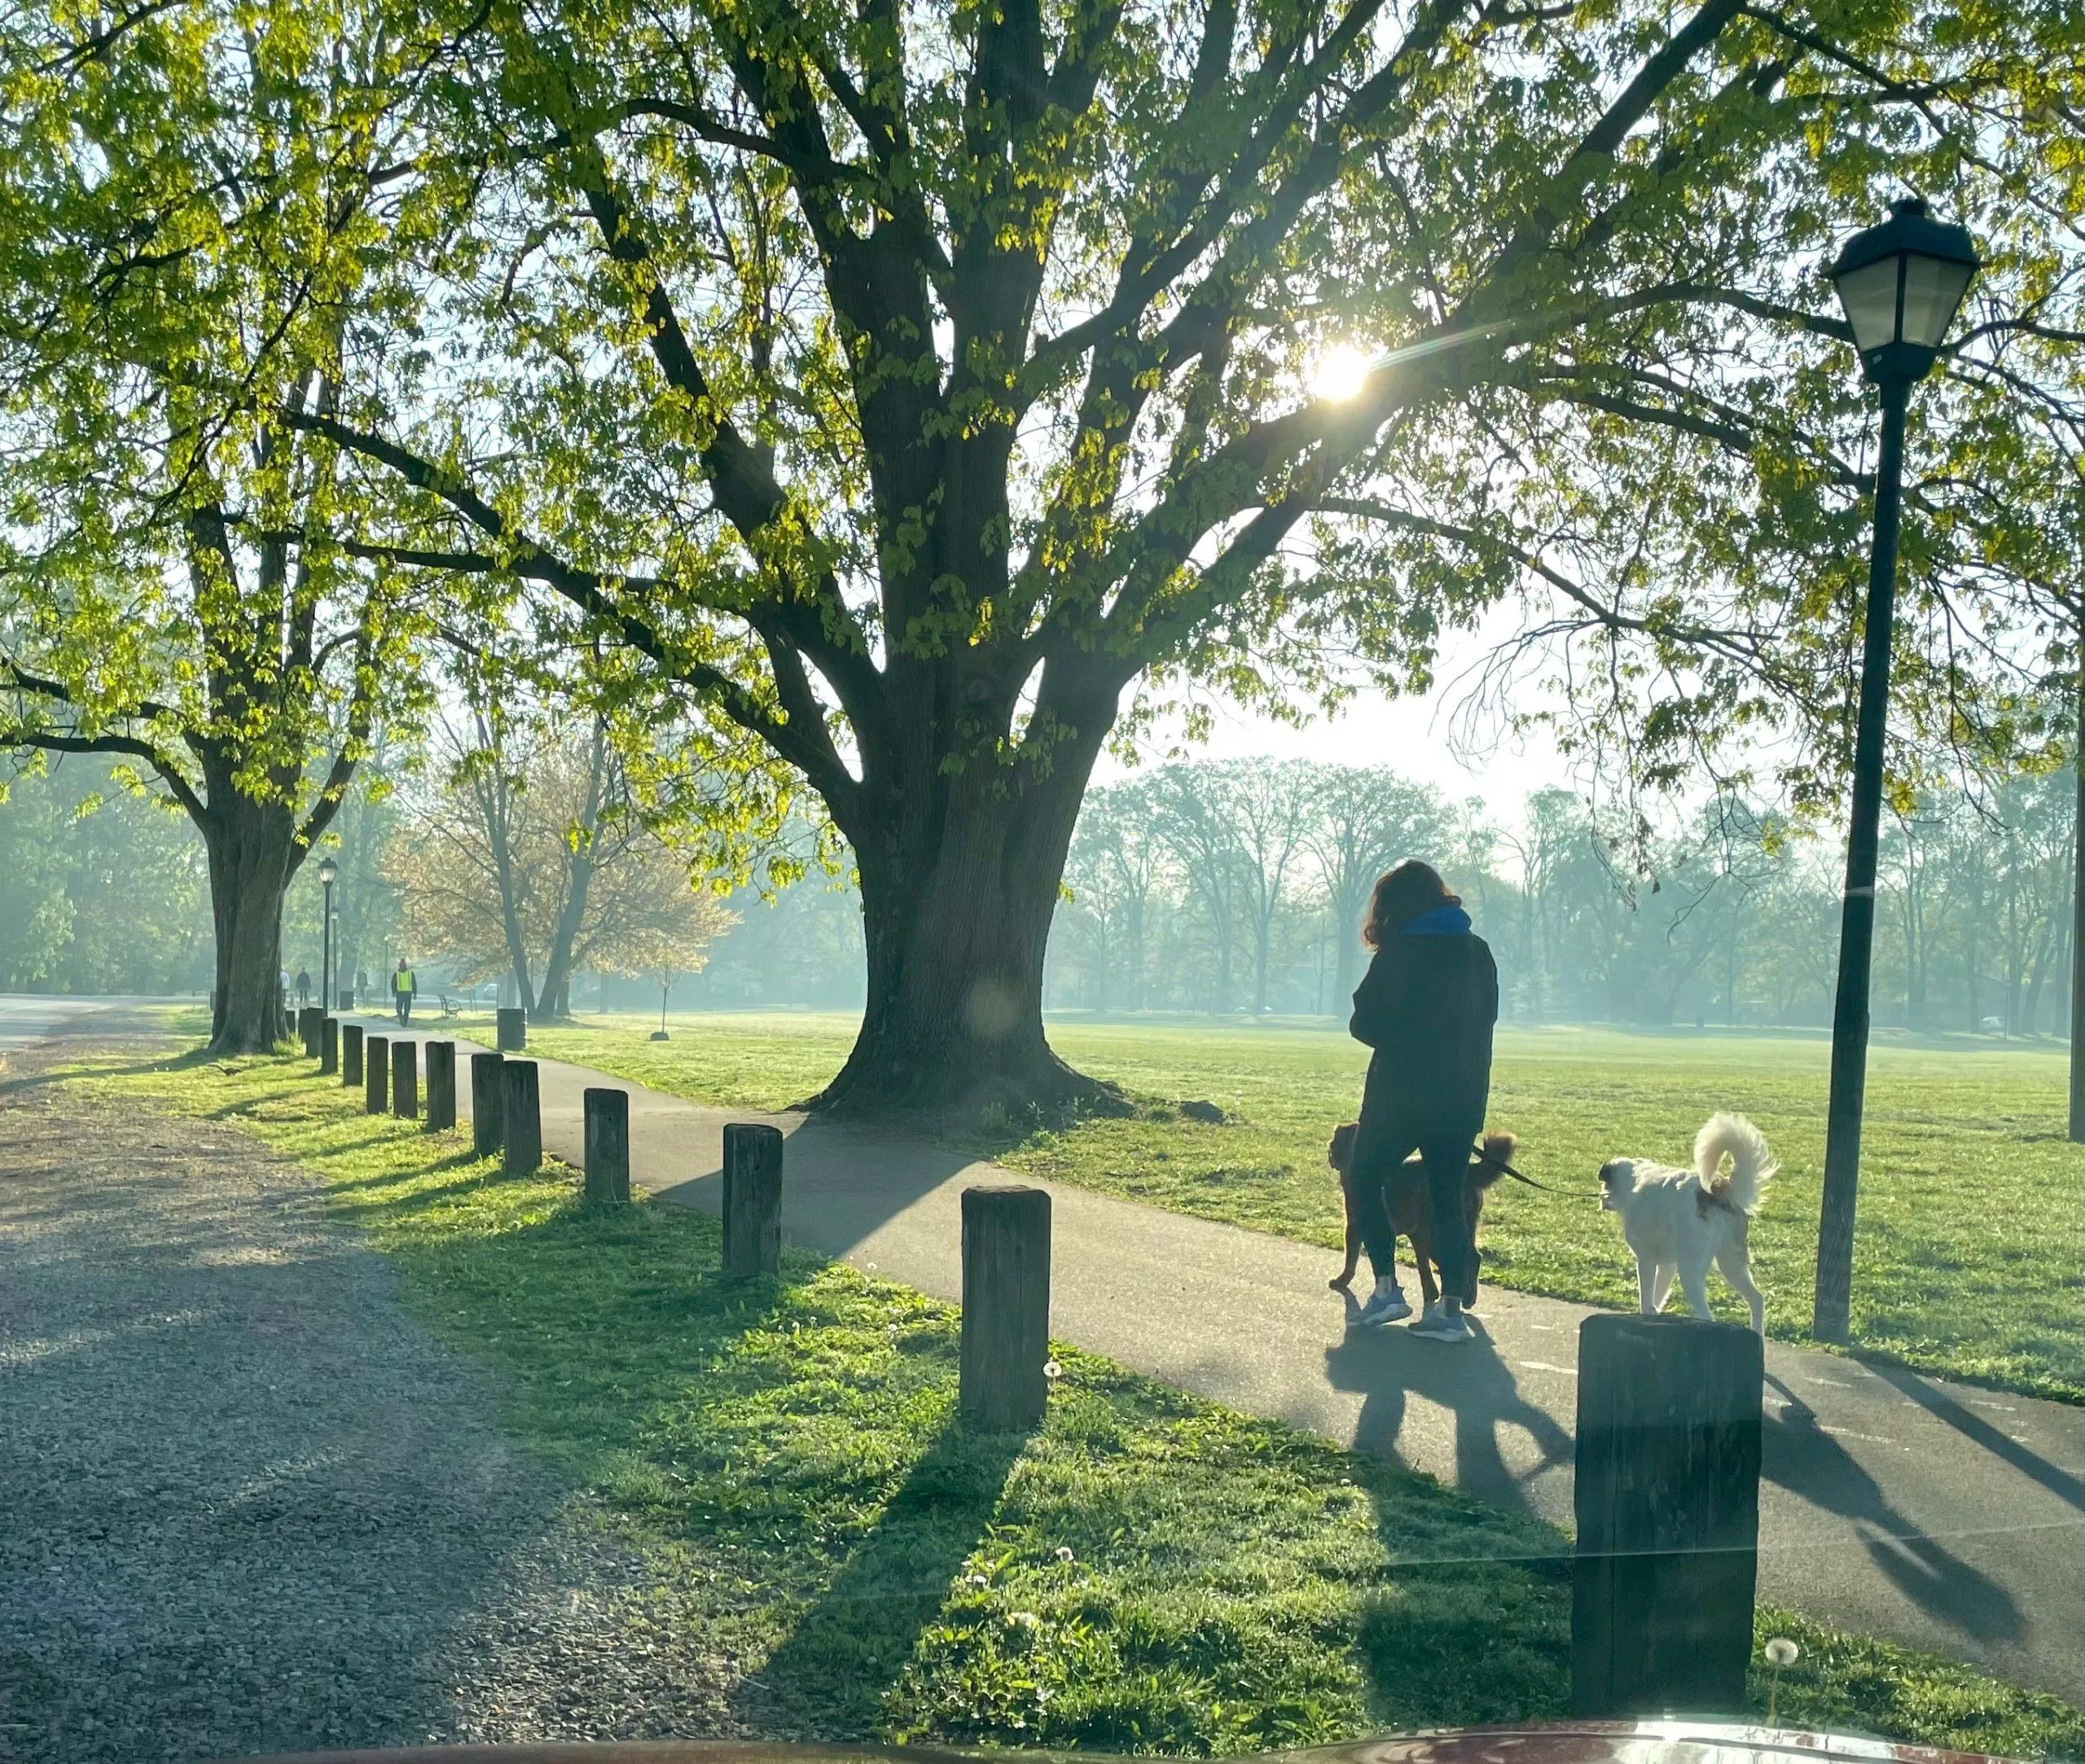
x: 1441, y: 921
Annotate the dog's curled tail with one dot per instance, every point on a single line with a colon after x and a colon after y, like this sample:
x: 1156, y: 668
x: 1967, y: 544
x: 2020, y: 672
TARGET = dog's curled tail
x: 1752, y: 1164
x: 1498, y: 1149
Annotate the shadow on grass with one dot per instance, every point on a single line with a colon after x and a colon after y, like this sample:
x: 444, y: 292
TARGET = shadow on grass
x: 847, y: 1650
x: 361, y: 1184
x: 56, y: 1077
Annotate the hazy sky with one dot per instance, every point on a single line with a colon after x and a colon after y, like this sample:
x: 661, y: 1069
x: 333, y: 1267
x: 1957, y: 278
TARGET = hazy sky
x: 1427, y: 738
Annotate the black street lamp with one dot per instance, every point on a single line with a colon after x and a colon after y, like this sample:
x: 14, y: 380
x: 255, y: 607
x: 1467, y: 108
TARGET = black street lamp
x: 327, y: 871
x: 1900, y: 284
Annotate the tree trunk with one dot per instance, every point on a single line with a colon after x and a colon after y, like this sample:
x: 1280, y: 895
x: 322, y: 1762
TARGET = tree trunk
x: 251, y: 850
x: 554, y: 1000
x: 956, y: 912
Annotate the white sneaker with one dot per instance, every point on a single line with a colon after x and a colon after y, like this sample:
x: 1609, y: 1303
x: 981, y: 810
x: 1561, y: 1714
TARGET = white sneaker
x: 1442, y: 1325
x: 1385, y: 1305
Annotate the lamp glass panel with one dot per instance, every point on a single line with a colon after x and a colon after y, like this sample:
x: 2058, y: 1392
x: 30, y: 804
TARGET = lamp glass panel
x: 327, y: 871
x: 1934, y: 288
x: 1869, y: 296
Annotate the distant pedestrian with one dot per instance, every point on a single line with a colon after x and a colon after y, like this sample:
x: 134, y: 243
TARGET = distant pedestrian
x: 1427, y: 1006
x: 303, y: 988
x: 361, y: 986
x: 401, y: 989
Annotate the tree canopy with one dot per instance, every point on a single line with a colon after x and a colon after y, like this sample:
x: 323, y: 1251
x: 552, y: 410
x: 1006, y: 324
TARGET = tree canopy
x: 915, y: 388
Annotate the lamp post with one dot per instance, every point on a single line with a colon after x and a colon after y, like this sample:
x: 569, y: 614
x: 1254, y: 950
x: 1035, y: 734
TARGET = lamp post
x: 1900, y: 284
x: 327, y: 871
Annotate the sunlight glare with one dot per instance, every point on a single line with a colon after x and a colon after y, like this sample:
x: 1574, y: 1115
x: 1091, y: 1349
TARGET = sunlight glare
x: 1340, y: 372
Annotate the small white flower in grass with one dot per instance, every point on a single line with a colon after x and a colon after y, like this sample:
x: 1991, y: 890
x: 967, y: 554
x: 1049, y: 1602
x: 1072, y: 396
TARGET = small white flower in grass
x: 1064, y: 1552
x: 1025, y: 1620
x: 1780, y: 1652
x: 1052, y: 1370
x: 975, y: 1580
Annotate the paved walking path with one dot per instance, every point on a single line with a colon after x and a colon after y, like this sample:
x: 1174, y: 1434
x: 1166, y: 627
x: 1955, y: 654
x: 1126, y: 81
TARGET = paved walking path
x: 1947, y: 1515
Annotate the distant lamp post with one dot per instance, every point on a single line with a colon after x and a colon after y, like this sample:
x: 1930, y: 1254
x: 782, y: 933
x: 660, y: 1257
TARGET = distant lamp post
x: 1901, y: 284
x: 327, y: 871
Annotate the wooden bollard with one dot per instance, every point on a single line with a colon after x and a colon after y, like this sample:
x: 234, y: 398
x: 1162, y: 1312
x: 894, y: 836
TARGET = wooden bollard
x: 608, y: 1147
x: 753, y: 1199
x: 521, y: 1117
x: 488, y: 1103
x: 513, y: 1028
x: 376, y: 1074
x: 351, y: 1053
x: 1001, y: 1383
x: 404, y: 1079
x: 1668, y: 1516
x: 309, y: 1017
x: 441, y: 1086
x: 329, y: 1046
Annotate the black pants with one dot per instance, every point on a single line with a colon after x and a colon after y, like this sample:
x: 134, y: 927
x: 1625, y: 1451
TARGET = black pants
x: 1445, y: 1157
x: 404, y: 1007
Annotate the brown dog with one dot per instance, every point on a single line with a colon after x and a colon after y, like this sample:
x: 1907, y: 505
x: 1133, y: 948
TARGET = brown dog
x: 1411, y: 1212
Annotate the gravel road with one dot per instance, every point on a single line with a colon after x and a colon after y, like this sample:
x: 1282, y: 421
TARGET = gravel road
x: 246, y: 1504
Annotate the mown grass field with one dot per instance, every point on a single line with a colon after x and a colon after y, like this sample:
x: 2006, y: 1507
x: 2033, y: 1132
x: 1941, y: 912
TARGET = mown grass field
x: 1970, y: 1259
x: 1148, y: 1572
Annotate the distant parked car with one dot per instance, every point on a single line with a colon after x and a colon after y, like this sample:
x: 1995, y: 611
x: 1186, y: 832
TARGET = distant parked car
x: 1995, y: 1024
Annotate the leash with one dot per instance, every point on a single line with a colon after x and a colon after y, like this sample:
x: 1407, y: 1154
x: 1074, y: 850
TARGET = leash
x: 1483, y: 1157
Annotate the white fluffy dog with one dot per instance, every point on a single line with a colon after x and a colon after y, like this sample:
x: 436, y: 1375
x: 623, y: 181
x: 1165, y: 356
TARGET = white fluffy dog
x: 1678, y: 1221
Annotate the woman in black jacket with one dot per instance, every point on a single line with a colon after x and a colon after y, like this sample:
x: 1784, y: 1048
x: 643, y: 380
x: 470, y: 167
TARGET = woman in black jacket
x: 1427, y: 1006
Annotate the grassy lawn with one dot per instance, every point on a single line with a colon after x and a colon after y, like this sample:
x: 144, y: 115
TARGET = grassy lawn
x: 1970, y: 1261
x: 1148, y: 1572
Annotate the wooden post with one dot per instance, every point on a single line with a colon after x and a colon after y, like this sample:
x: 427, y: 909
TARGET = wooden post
x: 351, y: 1053
x: 753, y: 1198
x: 404, y: 1079
x: 441, y: 1086
x: 329, y: 1046
x: 608, y: 1147
x: 309, y: 1017
x: 1001, y: 1386
x: 376, y: 1074
x: 521, y: 1117
x: 513, y: 1028
x: 1668, y: 1515
x: 488, y: 1103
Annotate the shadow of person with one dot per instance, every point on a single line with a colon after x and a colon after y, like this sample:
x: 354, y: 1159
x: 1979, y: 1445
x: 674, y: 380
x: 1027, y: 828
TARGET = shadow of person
x: 1471, y: 1382
x: 833, y: 1671
x: 1800, y: 1456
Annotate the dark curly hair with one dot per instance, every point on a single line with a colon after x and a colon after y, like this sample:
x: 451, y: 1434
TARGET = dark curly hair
x: 1401, y: 896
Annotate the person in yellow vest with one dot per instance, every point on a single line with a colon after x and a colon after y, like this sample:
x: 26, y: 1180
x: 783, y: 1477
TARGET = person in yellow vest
x: 401, y: 990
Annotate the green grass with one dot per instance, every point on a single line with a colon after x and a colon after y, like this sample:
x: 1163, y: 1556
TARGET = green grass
x: 1148, y: 1572
x: 1968, y: 1263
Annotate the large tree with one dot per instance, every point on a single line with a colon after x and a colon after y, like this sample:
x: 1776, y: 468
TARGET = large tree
x: 186, y: 206
x: 912, y: 384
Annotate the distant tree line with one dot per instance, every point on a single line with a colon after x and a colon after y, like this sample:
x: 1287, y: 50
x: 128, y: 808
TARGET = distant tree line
x: 1219, y: 887
x: 1205, y: 887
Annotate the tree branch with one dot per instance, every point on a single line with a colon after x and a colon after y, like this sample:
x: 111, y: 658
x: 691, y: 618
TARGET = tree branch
x: 169, y: 774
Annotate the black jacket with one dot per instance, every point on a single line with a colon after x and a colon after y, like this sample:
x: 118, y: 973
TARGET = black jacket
x: 1427, y: 1006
